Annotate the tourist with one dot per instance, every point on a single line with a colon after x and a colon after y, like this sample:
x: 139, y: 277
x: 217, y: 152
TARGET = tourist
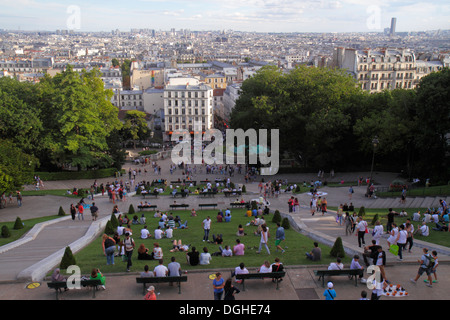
x: 129, y: 245
x: 239, y: 248
x: 264, y: 239
x: 230, y: 290
x: 109, y: 246
x: 97, y: 275
x: 205, y: 257
x: 426, y: 265
x: 218, y: 285
x: 161, y: 270
x: 315, y: 254
x: 329, y: 293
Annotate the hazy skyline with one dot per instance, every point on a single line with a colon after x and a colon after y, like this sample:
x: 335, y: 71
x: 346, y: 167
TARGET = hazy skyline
x: 247, y: 15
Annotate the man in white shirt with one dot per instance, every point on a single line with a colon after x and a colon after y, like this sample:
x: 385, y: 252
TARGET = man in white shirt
x: 169, y: 233
x: 161, y: 270
x: 241, y: 269
x: 361, y: 228
x: 159, y: 233
x: 424, y: 230
x: 145, y: 234
x: 227, y: 252
x: 206, y: 224
x: 338, y: 265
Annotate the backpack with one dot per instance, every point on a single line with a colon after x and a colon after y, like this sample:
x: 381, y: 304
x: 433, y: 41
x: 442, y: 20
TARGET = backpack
x: 431, y: 261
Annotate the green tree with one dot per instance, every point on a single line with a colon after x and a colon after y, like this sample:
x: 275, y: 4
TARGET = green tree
x: 78, y: 117
x: 312, y: 108
x: 16, y: 167
x: 135, y: 126
x: 433, y: 127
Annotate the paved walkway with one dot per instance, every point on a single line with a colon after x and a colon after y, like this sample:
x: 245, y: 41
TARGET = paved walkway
x: 32, y: 257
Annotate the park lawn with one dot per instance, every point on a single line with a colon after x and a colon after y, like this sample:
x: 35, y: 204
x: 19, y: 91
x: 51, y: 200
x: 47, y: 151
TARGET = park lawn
x: 433, y: 191
x: 51, y: 192
x: 436, y: 237
x: 28, y: 225
x: 295, y: 245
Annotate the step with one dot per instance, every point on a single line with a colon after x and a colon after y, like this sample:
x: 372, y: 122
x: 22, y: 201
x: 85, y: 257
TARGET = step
x: 428, y: 202
x: 415, y: 202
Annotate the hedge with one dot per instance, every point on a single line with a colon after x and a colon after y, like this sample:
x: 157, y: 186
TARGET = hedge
x: 77, y: 175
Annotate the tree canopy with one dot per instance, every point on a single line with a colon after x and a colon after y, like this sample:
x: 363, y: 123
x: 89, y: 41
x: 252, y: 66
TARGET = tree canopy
x: 327, y: 122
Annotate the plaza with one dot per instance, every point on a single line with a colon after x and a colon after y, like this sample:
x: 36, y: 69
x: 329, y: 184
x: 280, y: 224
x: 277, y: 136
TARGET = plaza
x: 30, y: 259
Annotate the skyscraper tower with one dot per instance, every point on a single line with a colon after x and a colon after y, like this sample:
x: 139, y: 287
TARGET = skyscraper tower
x: 393, y: 23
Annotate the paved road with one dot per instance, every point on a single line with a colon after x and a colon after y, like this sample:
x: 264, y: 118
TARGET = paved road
x: 48, y: 244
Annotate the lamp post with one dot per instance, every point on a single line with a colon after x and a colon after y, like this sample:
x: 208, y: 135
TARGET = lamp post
x: 375, y: 145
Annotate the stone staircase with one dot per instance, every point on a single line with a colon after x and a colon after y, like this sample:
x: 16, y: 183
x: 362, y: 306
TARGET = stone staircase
x: 416, y: 202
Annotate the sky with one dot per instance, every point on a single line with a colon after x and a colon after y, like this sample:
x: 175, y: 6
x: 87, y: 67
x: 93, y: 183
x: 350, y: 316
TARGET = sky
x: 238, y: 15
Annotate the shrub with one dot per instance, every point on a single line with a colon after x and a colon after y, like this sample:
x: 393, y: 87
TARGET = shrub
x: 244, y: 189
x: 109, y: 229
x: 5, y: 232
x: 362, y: 212
x: 114, y: 221
x: 18, y: 224
x: 338, y: 249
x: 285, y: 223
x: 131, y: 210
x: 375, y: 219
x: 61, y: 211
x: 297, y: 189
x: 68, y: 259
x: 276, y: 217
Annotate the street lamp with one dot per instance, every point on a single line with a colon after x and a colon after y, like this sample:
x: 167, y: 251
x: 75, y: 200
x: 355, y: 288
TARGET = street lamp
x: 375, y: 143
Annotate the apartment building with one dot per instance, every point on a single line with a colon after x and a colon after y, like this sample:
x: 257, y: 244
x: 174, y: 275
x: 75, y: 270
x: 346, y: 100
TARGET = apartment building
x: 377, y: 70
x: 186, y: 101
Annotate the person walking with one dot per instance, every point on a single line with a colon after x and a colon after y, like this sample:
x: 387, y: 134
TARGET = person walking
x: 80, y: 211
x: 129, y: 244
x: 264, y: 237
x: 401, y: 241
x: 73, y: 211
x: 361, y: 227
x: 427, y: 263
x: 280, y: 236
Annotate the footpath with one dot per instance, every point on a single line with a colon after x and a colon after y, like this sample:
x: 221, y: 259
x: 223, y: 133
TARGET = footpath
x: 29, y: 259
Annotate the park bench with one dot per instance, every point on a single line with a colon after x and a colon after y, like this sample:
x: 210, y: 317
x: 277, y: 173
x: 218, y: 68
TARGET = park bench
x: 239, y: 205
x: 202, y: 205
x: 344, y: 272
x: 153, y: 206
x: 169, y: 279
x: 208, y: 193
x: 232, y: 193
x: 277, y: 276
x: 181, y: 193
x: 174, y: 206
x: 146, y: 193
x: 59, y: 285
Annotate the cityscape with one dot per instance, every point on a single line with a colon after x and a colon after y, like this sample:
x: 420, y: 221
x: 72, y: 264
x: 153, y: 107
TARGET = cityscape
x: 95, y: 96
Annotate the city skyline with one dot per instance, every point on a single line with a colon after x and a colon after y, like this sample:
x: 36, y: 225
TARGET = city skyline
x: 247, y: 16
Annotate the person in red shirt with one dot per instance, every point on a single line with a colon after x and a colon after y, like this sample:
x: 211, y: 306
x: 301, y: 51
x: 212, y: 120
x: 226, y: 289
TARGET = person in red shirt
x: 80, y: 211
x: 150, y: 294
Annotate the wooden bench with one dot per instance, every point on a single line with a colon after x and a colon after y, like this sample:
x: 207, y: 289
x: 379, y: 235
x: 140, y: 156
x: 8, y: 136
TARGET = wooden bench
x: 153, y: 206
x: 202, y: 205
x: 277, y: 276
x: 239, y: 205
x: 144, y: 194
x: 344, y: 272
x: 230, y: 193
x: 146, y: 280
x: 174, y: 206
x: 209, y: 193
x: 182, y: 194
x: 59, y: 285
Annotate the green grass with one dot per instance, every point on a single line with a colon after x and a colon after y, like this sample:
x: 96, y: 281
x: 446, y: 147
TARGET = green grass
x: 434, y: 191
x: 51, y: 192
x: 297, y: 245
x: 436, y: 237
x: 28, y: 225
